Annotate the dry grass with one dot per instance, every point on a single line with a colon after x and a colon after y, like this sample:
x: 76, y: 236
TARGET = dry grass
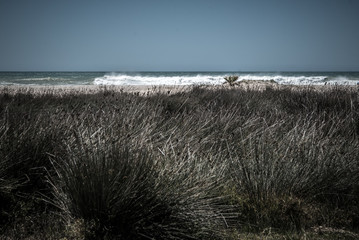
x: 194, y: 164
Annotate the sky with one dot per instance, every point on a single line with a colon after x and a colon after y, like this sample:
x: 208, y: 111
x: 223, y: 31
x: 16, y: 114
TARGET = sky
x: 179, y: 35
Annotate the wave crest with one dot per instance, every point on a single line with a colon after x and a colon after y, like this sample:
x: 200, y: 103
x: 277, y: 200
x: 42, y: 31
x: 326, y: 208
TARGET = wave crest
x: 216, y: 79
x: 124, y: 79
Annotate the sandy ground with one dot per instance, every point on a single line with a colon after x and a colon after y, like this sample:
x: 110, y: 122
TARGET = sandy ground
x: 71, y: 89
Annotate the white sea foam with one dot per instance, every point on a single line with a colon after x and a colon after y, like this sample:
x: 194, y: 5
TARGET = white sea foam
x: 216, y: 79
x: 291, y: 80
x: 123, y: 79
x: 37, y: 79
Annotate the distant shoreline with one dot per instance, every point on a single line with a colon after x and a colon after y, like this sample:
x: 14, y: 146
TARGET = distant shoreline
x: 124, y: 79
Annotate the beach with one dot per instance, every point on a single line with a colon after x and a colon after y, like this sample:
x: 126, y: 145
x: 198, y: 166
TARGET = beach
x: 173, y: 78
x: 259, y: 85
x: 169, y: 82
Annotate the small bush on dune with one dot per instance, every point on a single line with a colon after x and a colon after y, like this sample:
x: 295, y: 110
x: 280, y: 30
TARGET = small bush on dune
x: 231, y: 80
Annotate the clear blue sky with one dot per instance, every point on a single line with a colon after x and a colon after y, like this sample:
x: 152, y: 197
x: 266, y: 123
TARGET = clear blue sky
x: 179, y: 35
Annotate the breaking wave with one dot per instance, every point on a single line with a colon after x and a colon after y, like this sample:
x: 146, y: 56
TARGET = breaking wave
x: 124, y: 79
x: 216, y: 79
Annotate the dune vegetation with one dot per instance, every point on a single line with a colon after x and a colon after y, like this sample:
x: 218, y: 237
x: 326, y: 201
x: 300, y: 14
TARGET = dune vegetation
x: 207, y: 163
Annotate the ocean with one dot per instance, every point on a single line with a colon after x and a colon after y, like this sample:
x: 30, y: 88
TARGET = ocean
x: 174, y: 78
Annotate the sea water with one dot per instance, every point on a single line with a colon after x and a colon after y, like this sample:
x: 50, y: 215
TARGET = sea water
x: 174, y: 78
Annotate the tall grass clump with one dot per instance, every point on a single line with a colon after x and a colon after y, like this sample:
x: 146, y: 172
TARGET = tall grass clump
x: 282, y: 180
x: 290, y: 173
x: 25, y: 138
x: 120, y: 190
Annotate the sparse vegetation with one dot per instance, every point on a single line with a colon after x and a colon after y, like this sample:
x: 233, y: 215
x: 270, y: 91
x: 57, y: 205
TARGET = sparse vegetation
x: 208, y: 163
